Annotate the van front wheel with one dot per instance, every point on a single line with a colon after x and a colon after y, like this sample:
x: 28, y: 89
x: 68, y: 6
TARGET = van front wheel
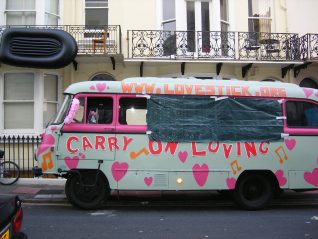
x: 82, y: 191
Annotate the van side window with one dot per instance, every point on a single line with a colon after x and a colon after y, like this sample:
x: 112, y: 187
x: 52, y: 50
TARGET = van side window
x: 301, y: 114
x: 99, y: 110
x: 132, y: 111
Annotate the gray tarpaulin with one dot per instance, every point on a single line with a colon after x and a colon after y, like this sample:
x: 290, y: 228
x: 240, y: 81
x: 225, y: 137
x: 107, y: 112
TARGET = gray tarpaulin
x: 193, y: 118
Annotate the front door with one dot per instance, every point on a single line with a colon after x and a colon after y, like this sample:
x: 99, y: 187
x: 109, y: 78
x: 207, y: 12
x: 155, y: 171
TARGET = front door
x: 89, y: 135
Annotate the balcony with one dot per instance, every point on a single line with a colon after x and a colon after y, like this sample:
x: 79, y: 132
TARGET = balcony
x: 214, y: 46
x: 309, y: 47
x: 91, y: 40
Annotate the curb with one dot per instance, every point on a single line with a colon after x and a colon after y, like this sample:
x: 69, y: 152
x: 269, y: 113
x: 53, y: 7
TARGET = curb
x: 41, y: 181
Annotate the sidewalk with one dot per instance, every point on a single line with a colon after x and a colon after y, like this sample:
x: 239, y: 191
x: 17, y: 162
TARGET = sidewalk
x: 37, y: 190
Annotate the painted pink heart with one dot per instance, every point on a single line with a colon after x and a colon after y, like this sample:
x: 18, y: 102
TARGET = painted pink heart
x: 71, y: 162
x: 53, y: 128
x: 119, y: 170
x: 92, y: 87
x: 312, y: 177
x: 231, y: 182
x: 82, y: 155
x: 47, y: 141
x: 200, y: 173
x: 101, y: 87
x: 148, y: 180
x: 280, y: 177
x: 308, y: 92
x: 183, y: 156
x: 290, y: 143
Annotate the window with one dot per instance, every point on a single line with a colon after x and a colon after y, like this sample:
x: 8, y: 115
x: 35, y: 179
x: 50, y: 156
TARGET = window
x: 301, y: 114
x: 191, y: 26
x: 20, y: 12
x: 309, y: 83
x: 50, y: 101
x: 132, y: 111
x: 224, y: 15
x: 52, y: 12
x: 18, y: 101
x: 29, y: 101
x: 259, y: 12
x: 25, y: 12
x: 99, y: 110
x: 168, y: 15
x: 79, y: 115
x: 103, y: 77
x: 96, y: 12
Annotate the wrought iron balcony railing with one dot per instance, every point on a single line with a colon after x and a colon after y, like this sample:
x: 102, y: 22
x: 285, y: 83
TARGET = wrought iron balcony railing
x: 214, y: 45
x: 309, y: 47
x: 180, y: 44
x: 90, y: 39
x: 268, y: 46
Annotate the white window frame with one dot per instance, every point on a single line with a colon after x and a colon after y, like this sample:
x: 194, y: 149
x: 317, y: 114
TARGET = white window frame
x: 38, y: 100
x: 85, y: 7
x: 223, y: 21
x: 53, y: 14
x: 39, y: 11
x: 271, y: 18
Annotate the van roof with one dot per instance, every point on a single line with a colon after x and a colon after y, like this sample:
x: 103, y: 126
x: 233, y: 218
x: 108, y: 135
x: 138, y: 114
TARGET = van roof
x: 193, y: 86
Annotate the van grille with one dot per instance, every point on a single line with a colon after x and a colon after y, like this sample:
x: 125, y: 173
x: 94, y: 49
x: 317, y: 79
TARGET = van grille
x: 160, y: 180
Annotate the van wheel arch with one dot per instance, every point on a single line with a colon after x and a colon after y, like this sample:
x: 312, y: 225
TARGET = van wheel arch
x: 80, y: 192
x: 255, y: 189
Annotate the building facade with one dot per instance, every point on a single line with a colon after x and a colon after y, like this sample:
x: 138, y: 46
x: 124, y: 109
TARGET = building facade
x: 273, y: 40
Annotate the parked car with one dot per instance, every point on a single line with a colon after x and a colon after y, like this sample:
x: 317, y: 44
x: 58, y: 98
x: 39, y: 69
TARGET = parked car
x: 11, y: 216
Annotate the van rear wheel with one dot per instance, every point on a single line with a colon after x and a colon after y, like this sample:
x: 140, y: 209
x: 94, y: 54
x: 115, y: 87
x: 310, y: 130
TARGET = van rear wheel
x: 86, y: 194
x: 253, y: 191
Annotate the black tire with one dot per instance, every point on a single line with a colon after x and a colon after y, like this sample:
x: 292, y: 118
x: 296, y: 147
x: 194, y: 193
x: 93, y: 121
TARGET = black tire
x: 9, y: 173
x: 253, y: 191
x: 86, y: 196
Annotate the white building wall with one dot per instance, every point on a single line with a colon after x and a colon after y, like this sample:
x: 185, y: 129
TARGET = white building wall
x: 302, y: 16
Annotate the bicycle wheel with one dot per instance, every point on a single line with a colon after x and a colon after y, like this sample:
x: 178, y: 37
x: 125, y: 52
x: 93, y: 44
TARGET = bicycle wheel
x: 9, y: 173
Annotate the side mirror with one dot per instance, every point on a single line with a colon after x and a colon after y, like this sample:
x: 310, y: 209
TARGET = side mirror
x: 37, y: 48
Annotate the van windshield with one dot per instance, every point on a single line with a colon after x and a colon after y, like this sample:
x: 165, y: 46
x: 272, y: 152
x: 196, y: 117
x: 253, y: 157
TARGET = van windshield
x: 63, y: 110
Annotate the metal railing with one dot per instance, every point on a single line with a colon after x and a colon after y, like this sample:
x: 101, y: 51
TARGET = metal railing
x: 268, y: 46
x: 216, y: 45
x: 90, y: 39
x: 21, y: 150
x: 309, y: 47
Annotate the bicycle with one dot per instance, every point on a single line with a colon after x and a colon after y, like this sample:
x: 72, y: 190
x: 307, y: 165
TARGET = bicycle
x: 9, y: 171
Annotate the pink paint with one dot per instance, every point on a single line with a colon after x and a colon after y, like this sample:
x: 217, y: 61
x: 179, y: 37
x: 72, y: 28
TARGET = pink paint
x: 47, y: 141
x: 148, y: 180
x: 82, y: 155
x: 308, y: 92
x: 119, y: 170
x: 280, y: 177
x: 290, y: 143
x: 300, y: 131
x: 231, y: 182
x: 183, y: 155
x: 71, y: 162
x: 92, y: 87
x: 101, y: 87
x: 312, y: 177
x: 53, y: 128
x: 316, y: 94
x: 200, y: 173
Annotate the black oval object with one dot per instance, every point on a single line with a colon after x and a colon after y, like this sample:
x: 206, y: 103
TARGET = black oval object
x: 37, y: 48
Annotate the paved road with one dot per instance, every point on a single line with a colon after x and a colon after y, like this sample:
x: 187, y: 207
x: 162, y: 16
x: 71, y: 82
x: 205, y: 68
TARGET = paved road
x: 160, y: 221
